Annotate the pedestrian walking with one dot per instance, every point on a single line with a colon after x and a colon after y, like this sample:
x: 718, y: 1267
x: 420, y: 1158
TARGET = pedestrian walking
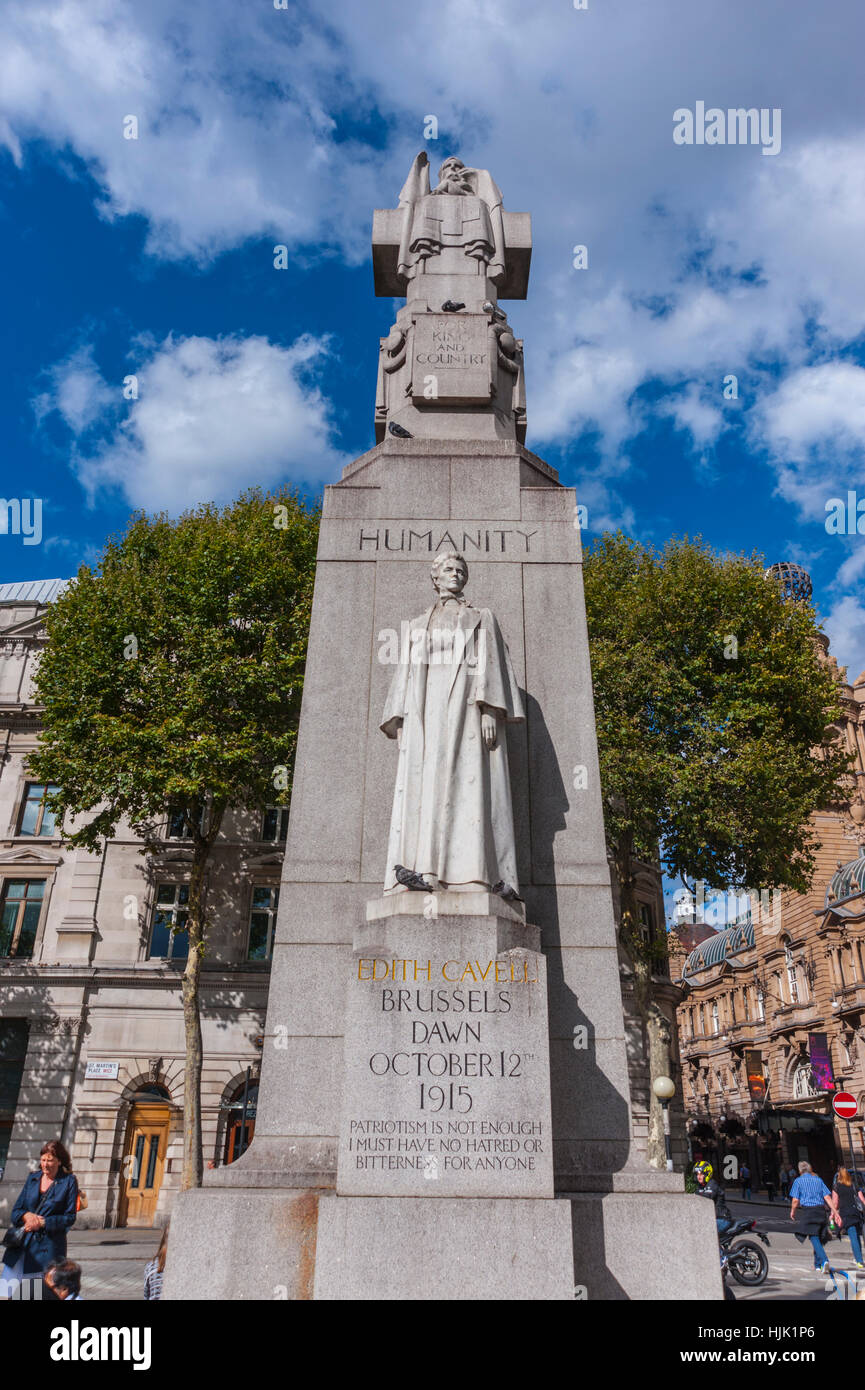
x: 769, y: 1183
x: 42, y: 1215
x: 745, y: 1175
x: 849, y: 1205
x: 810, y: 1200
x: 154, y: 1270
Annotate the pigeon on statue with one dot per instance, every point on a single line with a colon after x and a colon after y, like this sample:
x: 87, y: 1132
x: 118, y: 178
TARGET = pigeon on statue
x: 398, y: 430
x: 506, y: 892
x: 409, y: 879
x: 450, y: 307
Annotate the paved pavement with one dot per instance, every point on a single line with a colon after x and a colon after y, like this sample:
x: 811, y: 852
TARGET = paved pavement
x: 792, y: 1276
x: 112, y: 1262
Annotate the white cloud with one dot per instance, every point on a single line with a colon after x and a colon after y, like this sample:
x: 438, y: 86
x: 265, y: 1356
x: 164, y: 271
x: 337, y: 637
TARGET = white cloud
x: 234, y: 136
x: 853, y: 567
x: 692, y: 412
x: 845, y: 624
x: 813, y: 426
x: 213, y: 416
x: 820, y: 408
x: 78, y: 392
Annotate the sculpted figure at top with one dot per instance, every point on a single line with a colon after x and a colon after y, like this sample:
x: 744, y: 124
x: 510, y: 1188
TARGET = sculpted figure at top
x: 463, y: 211
x: 451, y: 367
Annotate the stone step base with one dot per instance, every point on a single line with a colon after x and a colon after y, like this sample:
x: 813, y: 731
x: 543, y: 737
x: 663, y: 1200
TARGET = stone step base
x: 299, y: 1244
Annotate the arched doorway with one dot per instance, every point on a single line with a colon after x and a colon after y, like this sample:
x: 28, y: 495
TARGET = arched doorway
x: 236, y: 1143
x: 143, y: 1160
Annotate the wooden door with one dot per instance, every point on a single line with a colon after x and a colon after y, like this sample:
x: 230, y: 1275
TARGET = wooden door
x: 233, y: 1147
x: 143, y: 1164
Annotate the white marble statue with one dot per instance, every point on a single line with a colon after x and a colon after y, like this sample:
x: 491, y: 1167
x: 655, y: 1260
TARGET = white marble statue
x: 454, y: 689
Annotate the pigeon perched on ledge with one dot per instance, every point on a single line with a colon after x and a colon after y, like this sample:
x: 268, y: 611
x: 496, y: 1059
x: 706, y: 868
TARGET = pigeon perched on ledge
x: 506, y: 892
x: 409, y: 879
x: 449, y: 307
x: 398, y: 430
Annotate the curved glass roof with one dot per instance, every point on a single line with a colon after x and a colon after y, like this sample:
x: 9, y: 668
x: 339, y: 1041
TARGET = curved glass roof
x: 718, y: 947
x: 848, y: 879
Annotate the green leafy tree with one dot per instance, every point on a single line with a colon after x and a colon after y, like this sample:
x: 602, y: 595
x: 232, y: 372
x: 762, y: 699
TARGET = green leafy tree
x: 172, y: 676
x: 712, y: 709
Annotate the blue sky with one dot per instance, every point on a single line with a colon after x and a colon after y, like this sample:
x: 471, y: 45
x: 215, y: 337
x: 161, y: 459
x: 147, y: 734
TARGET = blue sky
x: 259, y: 126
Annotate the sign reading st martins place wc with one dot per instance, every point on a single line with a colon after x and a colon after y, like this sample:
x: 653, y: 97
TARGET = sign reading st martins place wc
x: 447, y: 1068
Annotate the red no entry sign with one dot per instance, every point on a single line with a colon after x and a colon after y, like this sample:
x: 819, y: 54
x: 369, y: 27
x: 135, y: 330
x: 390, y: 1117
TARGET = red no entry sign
x: 844, y: 1105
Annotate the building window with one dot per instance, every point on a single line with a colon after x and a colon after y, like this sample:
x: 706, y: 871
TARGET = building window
x: 732, y: 1006
x: 262, y: 921
x: 761, y: 1005
x: 647, y: 929
x: 716, y: 1022
x: 746, y: 1003
x: 13, y: 1050
x: 274, y: 826
x: 178, y: 827
x: 36, y: 819
x: 19, y: 918
x: 803, y: 1082
x: 792, y: 978
x: 169, y: 938
x: 702, y: 1017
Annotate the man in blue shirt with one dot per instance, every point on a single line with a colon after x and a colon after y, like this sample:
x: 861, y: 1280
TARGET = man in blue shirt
x: 810, y: 1196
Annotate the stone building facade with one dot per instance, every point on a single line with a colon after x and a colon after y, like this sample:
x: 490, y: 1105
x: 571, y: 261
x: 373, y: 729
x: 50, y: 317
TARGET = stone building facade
x: 772, y: 1011
x: 91, y: 1025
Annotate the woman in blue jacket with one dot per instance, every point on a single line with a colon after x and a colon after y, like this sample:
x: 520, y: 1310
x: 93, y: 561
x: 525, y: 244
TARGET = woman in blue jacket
x: 46, y: 1208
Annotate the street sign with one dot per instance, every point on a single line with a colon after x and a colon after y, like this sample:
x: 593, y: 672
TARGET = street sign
x: 844, y: 1105
x: 104, y: 1071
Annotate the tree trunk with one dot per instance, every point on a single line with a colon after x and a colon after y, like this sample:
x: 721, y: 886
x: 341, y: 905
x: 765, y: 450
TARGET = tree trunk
x: 193, y: 1164
x: 658, y: 1036
x: 656, y: 1026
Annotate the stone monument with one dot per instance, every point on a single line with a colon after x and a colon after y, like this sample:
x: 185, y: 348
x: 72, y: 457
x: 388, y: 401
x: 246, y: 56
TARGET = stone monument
x: 444, y: 1106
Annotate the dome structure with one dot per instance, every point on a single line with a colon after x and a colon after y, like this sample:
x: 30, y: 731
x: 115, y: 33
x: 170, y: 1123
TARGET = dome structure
x: 847, y: 880
x: 795, y: 582
x: 719, y: 946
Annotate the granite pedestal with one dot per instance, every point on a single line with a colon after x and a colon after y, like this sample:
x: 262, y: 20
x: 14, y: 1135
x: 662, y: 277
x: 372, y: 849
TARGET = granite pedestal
x: 614, y: 1223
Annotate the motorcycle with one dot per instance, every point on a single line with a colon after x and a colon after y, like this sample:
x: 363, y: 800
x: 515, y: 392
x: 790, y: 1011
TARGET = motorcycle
x: 747, y: 1263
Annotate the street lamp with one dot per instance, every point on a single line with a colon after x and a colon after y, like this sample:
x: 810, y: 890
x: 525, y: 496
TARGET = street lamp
x: 664, y: 1088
